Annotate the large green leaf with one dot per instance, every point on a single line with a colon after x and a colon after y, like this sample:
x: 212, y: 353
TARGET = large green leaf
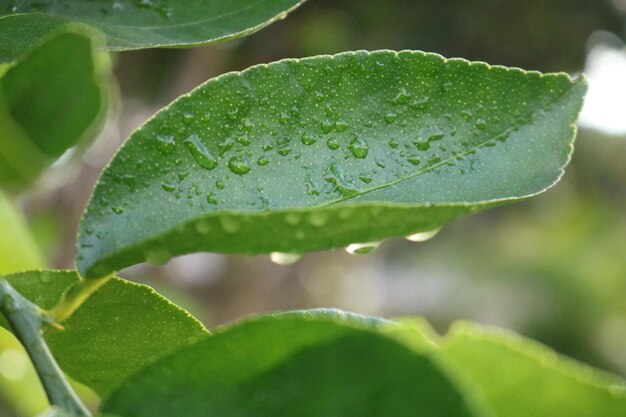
x: 317, y: 364
x: 120, y: 329
x: 521, y: 378
x: 18, y: 251
x: 137, y: 24
x: 322, y: 152
x: 50, y: 100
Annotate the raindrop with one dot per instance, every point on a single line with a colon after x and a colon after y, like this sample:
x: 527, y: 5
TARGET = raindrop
x: 262, y: 161
x: 233, y: 114
x: 187, y: 118
x: 165, y: 144
x: 402, y: 97
x: 308, y: 139
x: 200, y: 153
x: 390, y: 118
x: 362, y: 248
x: 229, y: 224
x: 423, y: 236
x: 167, y: 187
x: 238, y: 165
x: 117, y: 210
x: 414, y: 159
x: 284, y: 151
x: 358, y: 147
x: 327, y: 126
x: 393, y: 143
x: 220, y: 185
x: 210, y: 198
x: 243, y: 140
x: 481, y: 124
x: 366, y: 178
x: 281, y: 258
x: 333, y: 144
x: 284, y: 118
x: 341, y: 126
x: 318, y: 218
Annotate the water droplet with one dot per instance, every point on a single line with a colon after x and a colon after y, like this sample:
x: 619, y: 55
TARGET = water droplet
x: 341, y: 126
x: 281, y: 258
x: 422, y: 145
x: 414, y: 159
x: 366, y: 178
x: 229, y: 224
x: 262, y: 161
x: 481, y: 124
x: 467, y: 114
x: 210, y: 198
x: 117, y: 210
x: 233, y: 114
x: 167, y: 187
x: 308, y: 139
x: 220, y: 185
x: 362, y: 248
x: 203, y: 227
x: 358, y: 147
x: 333, y: 144
x: 393, y: 143
x: 187, y: 118
x: 200, y: 153
x: 238, y: 165
x: 419, y: 103
x: 318, y: 218
x: 284, y: 151
x: 327, y: 126
x: 292, y: 218
x: 158, y: 256
x: 243, y: 140
x: 284, y: 118
x: 390, y: 118
x: 402, y: 97
x: 165, y: 144
x: 423, y: 236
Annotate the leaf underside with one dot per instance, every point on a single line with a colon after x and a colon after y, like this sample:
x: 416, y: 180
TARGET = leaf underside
x: 133, y: 24
x: 317, y: 153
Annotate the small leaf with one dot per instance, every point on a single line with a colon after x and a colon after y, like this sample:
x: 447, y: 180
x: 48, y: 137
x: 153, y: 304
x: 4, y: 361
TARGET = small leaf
x: 316, y: 364
x: 120, y: 329
x: 50, y: 100
x: 522, y: 378
x: 303, y: 155
x: 137, y: 24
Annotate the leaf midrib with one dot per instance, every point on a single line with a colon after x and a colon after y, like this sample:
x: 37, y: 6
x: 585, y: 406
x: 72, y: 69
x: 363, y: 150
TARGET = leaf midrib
x: 456, y: 156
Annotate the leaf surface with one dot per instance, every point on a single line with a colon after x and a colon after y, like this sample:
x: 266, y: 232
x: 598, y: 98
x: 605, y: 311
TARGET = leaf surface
x: 316, y: 363
x: 120, y: 329
x: 317, y: 153
x: 135, y: 24
x: 50, y: 100
x: 521, y: 378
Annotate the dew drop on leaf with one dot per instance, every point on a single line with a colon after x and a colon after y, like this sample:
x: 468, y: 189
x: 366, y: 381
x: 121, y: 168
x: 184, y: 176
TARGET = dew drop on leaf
x: 200, y: 153
x: 423, y: 236
x: 165, y: 144
x: 238, y: 165
x: 281, y: 258
x: 308, y: 139
x: 362, y: 248
x: 358, y: 147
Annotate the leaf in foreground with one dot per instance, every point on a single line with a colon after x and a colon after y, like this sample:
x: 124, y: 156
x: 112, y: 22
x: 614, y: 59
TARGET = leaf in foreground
x: 317, y: 153
x: 132, y: 24
x: 120, y: 329
x: 303, y: 364
x: 51, y: 99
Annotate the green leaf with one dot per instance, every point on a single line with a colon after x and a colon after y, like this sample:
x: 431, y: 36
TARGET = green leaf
x: 119, y: 330
x: 316, y: 153
x: 135, y: 24
x: 50, y: 100
x: 522, y: 378
x: 18, y: 251
x: 316, y: 363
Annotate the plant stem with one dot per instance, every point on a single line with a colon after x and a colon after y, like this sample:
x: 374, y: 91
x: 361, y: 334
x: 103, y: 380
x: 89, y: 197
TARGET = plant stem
x: 26, y: 320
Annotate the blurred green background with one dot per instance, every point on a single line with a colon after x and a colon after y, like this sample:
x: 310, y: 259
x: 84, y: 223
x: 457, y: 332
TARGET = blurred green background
x: 552, y: 268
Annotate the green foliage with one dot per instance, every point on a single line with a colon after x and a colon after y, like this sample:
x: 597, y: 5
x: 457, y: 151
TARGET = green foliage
x: 51, y: 99
x: 133, y: 24
x: 18, y: 251
x: 117, y: 331
x: 311, y: 154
